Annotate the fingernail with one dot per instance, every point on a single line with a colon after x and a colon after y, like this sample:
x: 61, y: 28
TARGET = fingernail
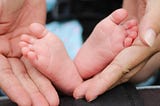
x: 91, y: 99
x: 78, y: 97
x: 150, y: 37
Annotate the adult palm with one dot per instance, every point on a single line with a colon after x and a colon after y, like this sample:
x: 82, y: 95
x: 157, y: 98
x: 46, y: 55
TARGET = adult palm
x: 15, y: 17
x: 17, y: 77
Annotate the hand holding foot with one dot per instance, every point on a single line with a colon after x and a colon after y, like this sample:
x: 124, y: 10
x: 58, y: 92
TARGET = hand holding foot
x: 123, y: 67
x: 149, y: 28
x: 146, y: 12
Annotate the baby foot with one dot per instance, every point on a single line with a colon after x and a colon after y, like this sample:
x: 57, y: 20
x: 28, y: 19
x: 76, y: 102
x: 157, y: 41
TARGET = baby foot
x: 107, y: 39
x: 47, y: 53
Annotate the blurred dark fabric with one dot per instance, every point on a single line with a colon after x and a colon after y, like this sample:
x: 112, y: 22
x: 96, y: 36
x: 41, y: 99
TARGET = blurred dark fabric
x: 122, y: 95
x: 150, y: 96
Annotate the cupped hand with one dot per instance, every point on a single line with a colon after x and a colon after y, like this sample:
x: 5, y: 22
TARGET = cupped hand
x: 125, y: 65
x: 149, y: 28
x: 145, y: 11
x: 24, y: 85
x: 18, y: 79
x: 137, y: 62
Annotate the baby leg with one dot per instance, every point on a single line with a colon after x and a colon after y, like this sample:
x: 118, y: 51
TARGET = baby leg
x: 47, y: 53
x: 108, y: 38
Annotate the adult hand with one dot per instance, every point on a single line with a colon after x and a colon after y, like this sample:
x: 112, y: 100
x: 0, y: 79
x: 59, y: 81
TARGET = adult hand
x: 15, y: 17
x: 24, y: 84
x: 131, y: 60
x: 145, y: 12
x: 18, y: 79
x: 149, y: 28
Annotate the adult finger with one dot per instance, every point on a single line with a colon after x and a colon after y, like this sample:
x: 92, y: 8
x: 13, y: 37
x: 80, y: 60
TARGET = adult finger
x: 126, y: 60
x: 21, y: 74
x: 131, y: 7
x: 44, y: 85
x: 143, y: 71
x: 132, y: 72
x: 149, y: 25
x: 11, y: 86
x: 80, y: 91
x: 149, y: 69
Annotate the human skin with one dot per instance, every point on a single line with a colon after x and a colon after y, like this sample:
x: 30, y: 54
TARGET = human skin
x: 140, y: 56
x: 145, y: 12
x: 109, y: 33
x: 18, y: 79
x: 53, y: 61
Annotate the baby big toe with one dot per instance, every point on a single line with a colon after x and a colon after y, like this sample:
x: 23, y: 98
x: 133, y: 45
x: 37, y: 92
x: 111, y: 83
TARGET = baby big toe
x: 38, y: 30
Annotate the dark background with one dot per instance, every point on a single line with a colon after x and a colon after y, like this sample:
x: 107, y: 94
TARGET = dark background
x: 88, y: 12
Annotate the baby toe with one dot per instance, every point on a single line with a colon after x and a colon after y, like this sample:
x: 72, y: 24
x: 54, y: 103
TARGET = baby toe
x: 25, y: 50
x: 130, y: 24
x: 132, y: 34
x: 26, y: 38
x: 128, y: 41
x: 23, y: 44
x: 38, y: 30
x: 32, y: 55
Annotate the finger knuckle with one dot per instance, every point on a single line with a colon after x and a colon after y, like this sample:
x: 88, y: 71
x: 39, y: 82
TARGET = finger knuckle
x: 123, y: 70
